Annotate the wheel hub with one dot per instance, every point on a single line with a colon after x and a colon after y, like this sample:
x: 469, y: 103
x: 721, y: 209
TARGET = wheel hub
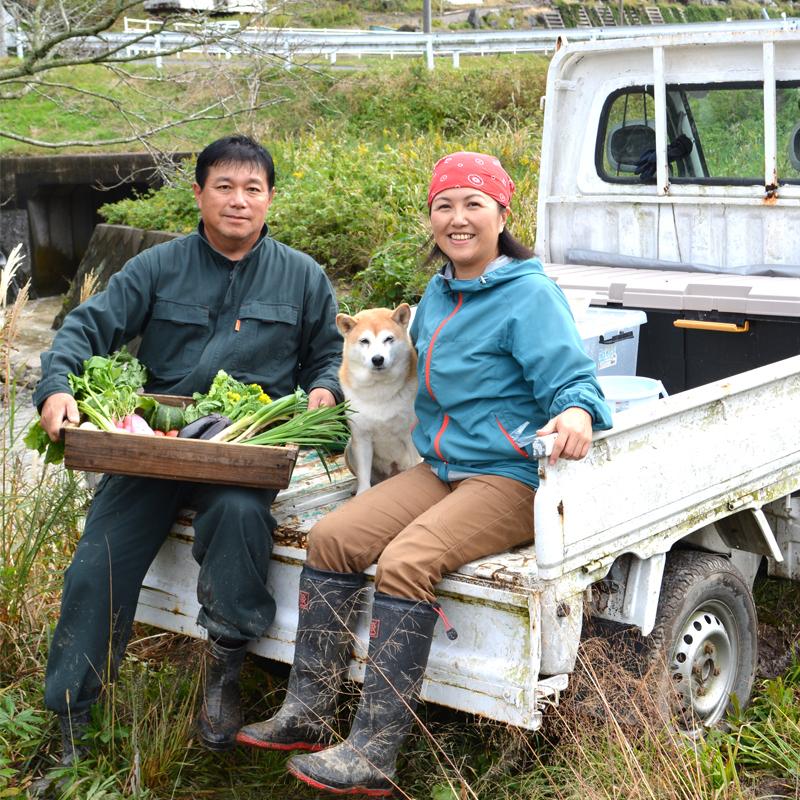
x: 702, y: 666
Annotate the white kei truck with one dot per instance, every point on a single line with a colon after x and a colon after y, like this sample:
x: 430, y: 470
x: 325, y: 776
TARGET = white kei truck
x: 664, y: 525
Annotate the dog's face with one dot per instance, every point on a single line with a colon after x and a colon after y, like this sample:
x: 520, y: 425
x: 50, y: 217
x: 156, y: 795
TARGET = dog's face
x: 376, y: 338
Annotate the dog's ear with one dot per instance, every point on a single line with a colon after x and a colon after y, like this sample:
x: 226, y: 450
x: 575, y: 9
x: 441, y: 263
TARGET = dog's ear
x: 402, y: 314
x: 345, y: 323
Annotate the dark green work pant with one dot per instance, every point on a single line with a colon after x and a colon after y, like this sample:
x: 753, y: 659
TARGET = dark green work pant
x: 127, y: 523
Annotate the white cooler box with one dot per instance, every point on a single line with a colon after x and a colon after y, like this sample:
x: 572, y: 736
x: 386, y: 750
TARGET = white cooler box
x: 611, y: 337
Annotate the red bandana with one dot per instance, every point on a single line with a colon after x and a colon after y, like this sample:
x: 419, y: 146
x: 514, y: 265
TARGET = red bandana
x: 485, y: 173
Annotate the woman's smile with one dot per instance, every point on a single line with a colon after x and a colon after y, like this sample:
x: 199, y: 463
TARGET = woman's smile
x: 466, y: 224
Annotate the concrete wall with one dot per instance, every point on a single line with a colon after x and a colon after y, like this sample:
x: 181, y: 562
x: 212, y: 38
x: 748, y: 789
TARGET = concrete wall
x: 109, y: 248
x: 56, y: 199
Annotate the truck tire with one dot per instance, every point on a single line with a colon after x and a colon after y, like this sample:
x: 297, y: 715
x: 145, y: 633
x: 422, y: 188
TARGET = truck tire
x: 705, y: 641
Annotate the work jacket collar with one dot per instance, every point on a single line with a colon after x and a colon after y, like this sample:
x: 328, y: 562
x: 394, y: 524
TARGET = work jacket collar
x: 497, y: 272
x: 221, y: 257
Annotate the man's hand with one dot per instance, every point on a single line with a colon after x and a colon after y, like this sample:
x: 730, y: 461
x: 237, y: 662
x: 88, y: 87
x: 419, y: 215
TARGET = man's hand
x: 320, y: 397
x: 574, y: 429
x: 57, y: 409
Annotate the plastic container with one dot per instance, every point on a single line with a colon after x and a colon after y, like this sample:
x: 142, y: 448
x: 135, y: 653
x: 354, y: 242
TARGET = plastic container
x: 611, y: 338
x: 625, y: 391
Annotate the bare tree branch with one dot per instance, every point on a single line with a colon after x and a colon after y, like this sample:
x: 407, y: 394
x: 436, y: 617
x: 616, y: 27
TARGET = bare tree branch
x: 59, y: 34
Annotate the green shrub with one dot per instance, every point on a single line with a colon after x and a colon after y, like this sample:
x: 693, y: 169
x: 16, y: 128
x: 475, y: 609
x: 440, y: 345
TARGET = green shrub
x: 483, y: 92
x: 394, y: 275
x: 171, y: 208
x: 358, y: 207
x: 335, y: 15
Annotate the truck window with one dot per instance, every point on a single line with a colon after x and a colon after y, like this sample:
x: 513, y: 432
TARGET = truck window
x: 729, y: 125
x: 787, y: 102
x: 630, y: 130
x: 725, y: 124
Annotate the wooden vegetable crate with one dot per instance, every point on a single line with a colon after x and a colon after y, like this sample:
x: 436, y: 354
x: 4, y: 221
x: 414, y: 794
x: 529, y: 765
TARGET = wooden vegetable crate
x: 257, y: 466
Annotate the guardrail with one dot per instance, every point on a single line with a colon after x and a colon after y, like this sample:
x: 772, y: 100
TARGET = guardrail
x: 292, y: 43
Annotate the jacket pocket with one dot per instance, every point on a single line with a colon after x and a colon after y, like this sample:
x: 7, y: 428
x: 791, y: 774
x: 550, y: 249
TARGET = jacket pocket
x: 267, y: 331
x: 174, y: 337
x: 505, y: 428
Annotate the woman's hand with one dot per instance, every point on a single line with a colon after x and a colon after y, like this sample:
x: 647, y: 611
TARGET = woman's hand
x: 574, y: 429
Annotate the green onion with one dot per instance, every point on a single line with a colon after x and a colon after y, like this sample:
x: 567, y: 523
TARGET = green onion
x: 288, y: 420
x: 284, y: 408
x: 323, y: 427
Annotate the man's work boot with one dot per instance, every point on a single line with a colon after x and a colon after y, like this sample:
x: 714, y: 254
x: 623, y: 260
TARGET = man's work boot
x: 400, y: 642
x: 221, y: 715
x: 73, y: 732
x: 327, y: 604
x: 73, y: 728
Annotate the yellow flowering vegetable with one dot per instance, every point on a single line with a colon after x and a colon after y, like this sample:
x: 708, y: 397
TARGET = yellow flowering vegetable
x: 228, y: 397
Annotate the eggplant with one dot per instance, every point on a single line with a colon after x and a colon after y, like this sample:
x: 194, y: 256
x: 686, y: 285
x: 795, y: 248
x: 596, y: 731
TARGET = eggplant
x: 216, y: 427
x: 199, y: 429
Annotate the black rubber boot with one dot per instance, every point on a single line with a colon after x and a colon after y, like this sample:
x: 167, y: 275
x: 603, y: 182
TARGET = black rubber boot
x: 327, y: 603
x: 73, y: 729
x: 221, y: 716
x: 400, y: 641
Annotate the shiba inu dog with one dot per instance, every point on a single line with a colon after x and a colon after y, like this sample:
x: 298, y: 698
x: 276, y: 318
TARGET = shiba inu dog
x: 379, y: 380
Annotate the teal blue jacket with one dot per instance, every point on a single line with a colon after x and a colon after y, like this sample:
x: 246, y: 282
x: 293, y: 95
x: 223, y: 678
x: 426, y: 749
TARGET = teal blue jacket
x: 269, y: 318
x: 495, y: 352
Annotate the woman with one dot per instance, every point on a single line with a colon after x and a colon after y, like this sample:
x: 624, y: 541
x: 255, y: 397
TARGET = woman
x: 497, y: 347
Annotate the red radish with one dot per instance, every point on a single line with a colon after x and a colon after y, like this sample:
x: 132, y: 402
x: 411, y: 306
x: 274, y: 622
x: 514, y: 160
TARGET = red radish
x: 133, y: 423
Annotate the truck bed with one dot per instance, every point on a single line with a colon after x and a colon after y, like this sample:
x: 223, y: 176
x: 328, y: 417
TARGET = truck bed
x: 666, y: 469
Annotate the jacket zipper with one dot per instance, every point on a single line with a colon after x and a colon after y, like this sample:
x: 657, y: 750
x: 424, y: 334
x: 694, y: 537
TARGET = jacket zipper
x: 429, y: 356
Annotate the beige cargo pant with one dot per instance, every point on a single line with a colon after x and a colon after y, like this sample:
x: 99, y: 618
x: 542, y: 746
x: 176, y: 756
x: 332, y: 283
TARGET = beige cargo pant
x: 418, y: 528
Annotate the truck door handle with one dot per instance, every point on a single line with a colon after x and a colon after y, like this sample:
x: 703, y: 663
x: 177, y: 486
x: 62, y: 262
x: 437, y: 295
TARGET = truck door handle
x: 706, y: 325
x: 617, y: 337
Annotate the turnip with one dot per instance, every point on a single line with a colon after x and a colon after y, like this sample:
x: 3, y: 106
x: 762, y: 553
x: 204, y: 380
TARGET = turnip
x: 133, y: 423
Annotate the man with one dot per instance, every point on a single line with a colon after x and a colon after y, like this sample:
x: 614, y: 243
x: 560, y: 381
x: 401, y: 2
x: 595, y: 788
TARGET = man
x: 225, y: 297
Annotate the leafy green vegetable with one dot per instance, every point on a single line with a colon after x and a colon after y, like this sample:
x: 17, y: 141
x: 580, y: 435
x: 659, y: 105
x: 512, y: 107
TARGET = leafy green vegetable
x: 108, y: 389
x: 274, y: 411
x: 106, y: 392
x: 288, y: 420
x: 37, y: 439
x: 323, y: 428
x: 228, y: 397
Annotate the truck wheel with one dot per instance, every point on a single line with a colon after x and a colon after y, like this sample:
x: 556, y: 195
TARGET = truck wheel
x: 706, y: 638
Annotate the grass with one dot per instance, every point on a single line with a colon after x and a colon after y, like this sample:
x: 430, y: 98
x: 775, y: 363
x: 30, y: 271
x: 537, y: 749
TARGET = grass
x: 606, y: 740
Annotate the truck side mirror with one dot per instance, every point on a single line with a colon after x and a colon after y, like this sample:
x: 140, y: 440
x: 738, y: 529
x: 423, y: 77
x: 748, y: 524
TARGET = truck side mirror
x: 794, y: 147
x: 626, y: 143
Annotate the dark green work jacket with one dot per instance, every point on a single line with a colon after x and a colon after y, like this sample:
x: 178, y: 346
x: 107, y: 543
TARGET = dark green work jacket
x: 267, y: 319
